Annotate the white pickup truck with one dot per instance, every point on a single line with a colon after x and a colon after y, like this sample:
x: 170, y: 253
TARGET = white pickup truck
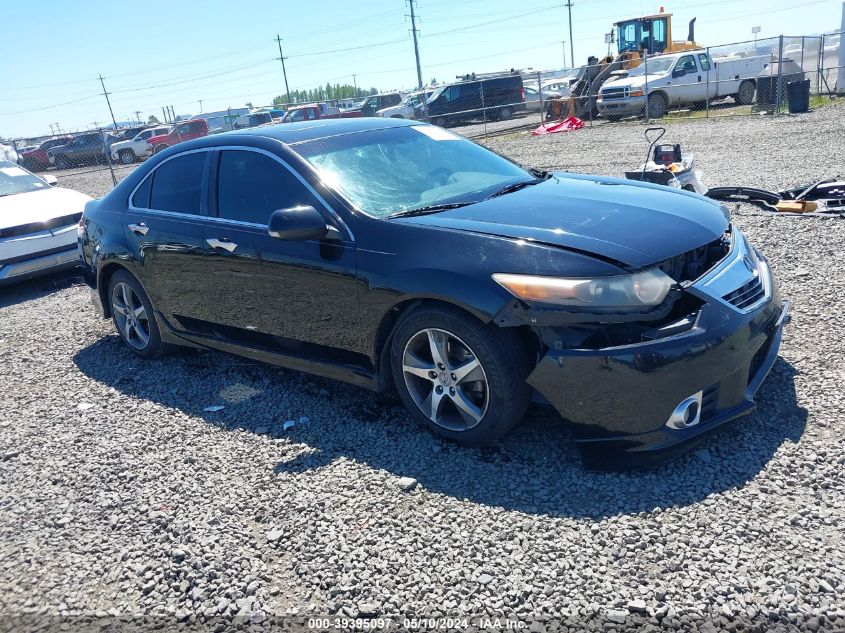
x: 678, y: 80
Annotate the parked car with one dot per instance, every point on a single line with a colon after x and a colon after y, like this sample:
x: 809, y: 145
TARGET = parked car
x: 496, y: 98
x: 372, y: 104
x: 533, y: 98
x: 254, y: 119
x: 84, y: 149
x: 7, y: 152
x: 221, y: 120
x: 351, y: 249
x: 185, y: 131
x: 314, y: 111
x: 410, y: 107
x: 128, y: 151
x: 37, y: 159
x: 38, y: 223
x: 677, y: 80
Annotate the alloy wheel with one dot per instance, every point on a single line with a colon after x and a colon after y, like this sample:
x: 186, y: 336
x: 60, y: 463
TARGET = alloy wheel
x: 445, y: 379
x: 126, y: 157
x: 130, y: 315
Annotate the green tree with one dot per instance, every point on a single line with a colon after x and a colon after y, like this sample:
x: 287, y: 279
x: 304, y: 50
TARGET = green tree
x: 153, y: 120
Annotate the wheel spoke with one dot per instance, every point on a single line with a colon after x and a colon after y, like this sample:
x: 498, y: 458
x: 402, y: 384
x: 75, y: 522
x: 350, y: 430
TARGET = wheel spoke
x: 469, y: 371
x: 140, y: 312
x: 432, y: 404
x: 413, y: 364
x: 437, y: 344
x: 124, y: 291
x: 127, y: 329
x: 142, y: 336
x: 469, y: 411
x: 116, y: 307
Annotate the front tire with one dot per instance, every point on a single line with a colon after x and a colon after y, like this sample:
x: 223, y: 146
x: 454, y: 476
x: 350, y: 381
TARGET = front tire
x: 159, y: 148
x: 505, y: 114
x: 126, y: 157
x: 463, y: 380
x: 62, y: 163
x: 440, y: 121
x: 657, y: 105
x: 133, y: 316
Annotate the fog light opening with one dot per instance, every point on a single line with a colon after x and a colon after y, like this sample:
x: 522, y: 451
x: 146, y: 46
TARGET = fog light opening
x: 687, y: 413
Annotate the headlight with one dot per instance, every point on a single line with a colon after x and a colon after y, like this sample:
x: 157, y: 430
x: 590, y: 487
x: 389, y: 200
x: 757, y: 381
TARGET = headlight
x: 643, y: 289
x: 636, y: 93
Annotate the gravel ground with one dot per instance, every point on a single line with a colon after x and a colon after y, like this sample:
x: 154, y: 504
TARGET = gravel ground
x: 121, y: 495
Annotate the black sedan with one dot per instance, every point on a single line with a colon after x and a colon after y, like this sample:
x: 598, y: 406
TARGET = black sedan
x: 388, y: 253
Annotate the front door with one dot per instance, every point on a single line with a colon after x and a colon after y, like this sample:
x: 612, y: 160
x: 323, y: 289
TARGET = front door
x: 296, y: 296
x: 692, y: 86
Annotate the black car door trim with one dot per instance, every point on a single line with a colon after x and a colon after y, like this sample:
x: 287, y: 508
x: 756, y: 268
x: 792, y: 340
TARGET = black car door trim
x: 332, y: 213
x: 203, y: 193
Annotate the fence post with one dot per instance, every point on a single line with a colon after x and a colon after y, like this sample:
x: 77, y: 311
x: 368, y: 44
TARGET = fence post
x: 707, y: 94
x: 778, y: 94
x: 802, y: 53
x: 107, y: 151
x: 483, y: 108
x: 540, y: 93
x: 820, y: 66
x: 646, y: 112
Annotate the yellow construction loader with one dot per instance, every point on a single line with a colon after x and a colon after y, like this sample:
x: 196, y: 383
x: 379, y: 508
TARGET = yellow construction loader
x: 647, y: 35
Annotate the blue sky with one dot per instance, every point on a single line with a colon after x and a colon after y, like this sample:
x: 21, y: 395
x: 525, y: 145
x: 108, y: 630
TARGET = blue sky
x: 157, y: 53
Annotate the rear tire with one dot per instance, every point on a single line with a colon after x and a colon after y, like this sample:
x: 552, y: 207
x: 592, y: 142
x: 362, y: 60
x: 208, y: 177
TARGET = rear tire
x: 62, y: 163
x: 126, y: 157
x: 505, y: 113
x: 134, y: 317
x: 482, y: 379
x: 160, y: 148
x: 440, y: 121
x: 745, y: 95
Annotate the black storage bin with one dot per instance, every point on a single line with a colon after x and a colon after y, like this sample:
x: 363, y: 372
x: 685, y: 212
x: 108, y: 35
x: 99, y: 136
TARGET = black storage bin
x: 798, y: 95
x: 767, y: 81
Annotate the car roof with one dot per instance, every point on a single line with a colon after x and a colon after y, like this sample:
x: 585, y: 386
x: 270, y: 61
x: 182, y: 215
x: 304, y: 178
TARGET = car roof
x: 290, y: 133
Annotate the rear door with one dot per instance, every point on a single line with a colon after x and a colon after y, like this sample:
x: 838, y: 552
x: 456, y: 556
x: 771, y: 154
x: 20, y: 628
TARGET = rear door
x: 297, y: 296
x: 165, y: 223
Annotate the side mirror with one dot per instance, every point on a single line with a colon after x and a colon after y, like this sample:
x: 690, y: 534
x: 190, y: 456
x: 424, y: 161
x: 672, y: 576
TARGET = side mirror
x: 50, y: 179
x: 297, y: 223
x: 679, y: 72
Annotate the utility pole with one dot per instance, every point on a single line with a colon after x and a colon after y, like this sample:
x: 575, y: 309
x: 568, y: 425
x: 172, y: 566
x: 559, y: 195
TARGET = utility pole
x: 106, y: 95
x: 164, y: 114
x: 416, y: 44
x: 138, y: 115
x: 200, y: 106
x: 58, y: 129
x: 355, y: 83
x: 172, y: 114
x: 568, y: 5
x: 51, y: 129
x: 284, y: 70
x: 563, y: 46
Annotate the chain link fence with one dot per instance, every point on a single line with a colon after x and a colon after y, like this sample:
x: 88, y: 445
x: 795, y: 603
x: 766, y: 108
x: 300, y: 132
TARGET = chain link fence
x: 771, y: 75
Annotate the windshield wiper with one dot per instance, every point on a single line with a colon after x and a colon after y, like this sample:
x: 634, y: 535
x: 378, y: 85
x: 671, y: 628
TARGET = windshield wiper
x: 515, y: 187
x: 432, y: 208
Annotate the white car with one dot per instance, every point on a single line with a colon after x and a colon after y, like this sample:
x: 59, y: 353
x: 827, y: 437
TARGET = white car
x: 127, y: 152
x: 532, y: 98
x: 408, y: 108
x: 38, y: 224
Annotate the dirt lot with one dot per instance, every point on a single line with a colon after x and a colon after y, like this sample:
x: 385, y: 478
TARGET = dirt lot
x: 121, y: 495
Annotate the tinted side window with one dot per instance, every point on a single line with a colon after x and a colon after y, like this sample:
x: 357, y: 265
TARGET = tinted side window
x: 177, y: 184
x: 141, y: 199
x: 705, y: 63
x: 687, y: 62
x: 251, y: 186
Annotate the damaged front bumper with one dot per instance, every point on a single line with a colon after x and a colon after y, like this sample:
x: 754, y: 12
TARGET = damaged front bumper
x: 623, y: 400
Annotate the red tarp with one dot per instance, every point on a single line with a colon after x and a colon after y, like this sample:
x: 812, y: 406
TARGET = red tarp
x: 568, y: 124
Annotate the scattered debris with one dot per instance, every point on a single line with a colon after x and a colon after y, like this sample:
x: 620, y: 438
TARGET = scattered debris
x: 407, y: 483
x: 668, y: 165
x: 569, y: 124
x: 84, y: 406
x: 274, y: 535
x: 214, y: 408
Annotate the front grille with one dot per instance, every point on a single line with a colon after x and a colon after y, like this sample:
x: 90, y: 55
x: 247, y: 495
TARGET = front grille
x: 693, y: 264
x: 35, y: 227
x: 614, y: 93
x: 747, y: 294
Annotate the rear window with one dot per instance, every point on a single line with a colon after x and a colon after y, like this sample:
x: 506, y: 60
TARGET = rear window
x: 177, y: 184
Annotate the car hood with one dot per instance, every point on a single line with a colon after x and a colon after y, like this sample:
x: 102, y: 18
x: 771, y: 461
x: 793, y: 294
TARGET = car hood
x: 636, y: 224
x: 40, y: 206
x: 637, y: 81
x: 121, y: 144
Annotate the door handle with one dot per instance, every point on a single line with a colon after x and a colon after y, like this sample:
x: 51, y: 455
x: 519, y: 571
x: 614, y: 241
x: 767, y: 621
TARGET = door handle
x: 139, y: 229
x: 224, y: 244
